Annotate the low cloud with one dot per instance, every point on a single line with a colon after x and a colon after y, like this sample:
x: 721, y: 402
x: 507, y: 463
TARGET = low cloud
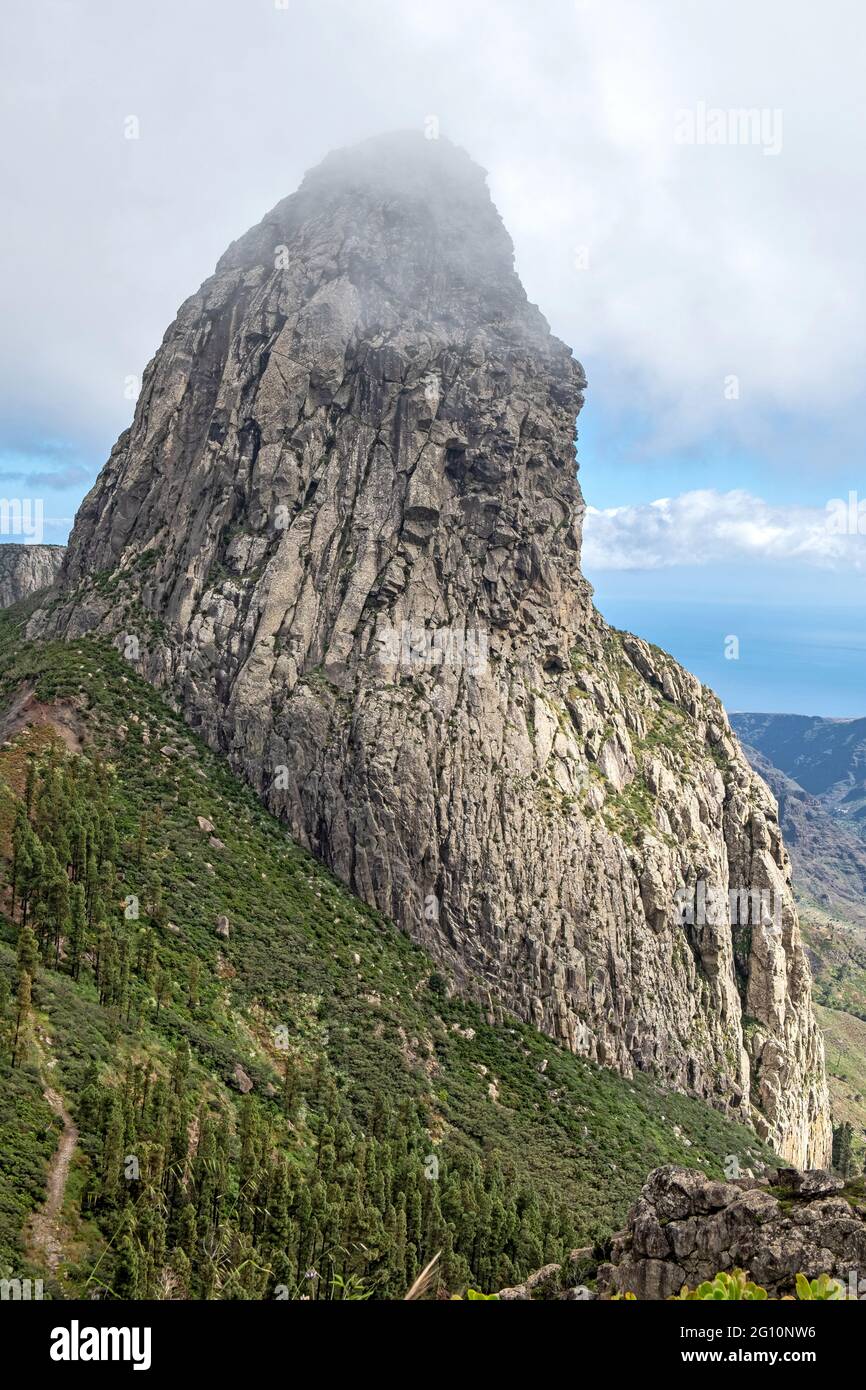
x: 628, y: 152
x: 70, y: 476
x: 706, y: 527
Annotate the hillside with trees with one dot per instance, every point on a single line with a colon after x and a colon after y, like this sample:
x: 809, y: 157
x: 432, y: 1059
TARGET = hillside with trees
x: 268, y: 1090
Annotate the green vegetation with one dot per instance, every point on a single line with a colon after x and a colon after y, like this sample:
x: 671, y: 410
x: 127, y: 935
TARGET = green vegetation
x: 303, y: 1107
x: 823, y: 1288
x: 737, y: 1287
x: 27, y: 1141
x: 733, y: 1287
x: 669, y: 736
x: 838, y: 956
x: 845, y: 1052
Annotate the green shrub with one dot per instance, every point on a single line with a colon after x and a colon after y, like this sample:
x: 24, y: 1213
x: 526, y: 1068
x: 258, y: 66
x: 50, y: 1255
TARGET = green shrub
x: 733, y: 1287
x: 823, y: 1287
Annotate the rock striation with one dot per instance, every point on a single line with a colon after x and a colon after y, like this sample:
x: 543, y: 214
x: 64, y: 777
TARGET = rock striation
x: 25, y: 569
x: 344, y: 531
x: 685, y: 1228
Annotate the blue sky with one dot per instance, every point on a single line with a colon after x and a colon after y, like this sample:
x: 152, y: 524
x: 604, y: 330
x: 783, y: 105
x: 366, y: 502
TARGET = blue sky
x: 794, y: 655
x: 801, y: 635
x: 713, y: 291
x: 56, y: 472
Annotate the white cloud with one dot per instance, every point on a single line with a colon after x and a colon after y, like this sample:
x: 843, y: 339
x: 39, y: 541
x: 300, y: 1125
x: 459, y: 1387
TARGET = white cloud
x: 708, y: 527
x: 702, y: 261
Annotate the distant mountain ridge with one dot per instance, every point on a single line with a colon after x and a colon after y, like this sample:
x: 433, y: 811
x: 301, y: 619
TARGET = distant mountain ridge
x: 826, y: 757
x: 828, y: 854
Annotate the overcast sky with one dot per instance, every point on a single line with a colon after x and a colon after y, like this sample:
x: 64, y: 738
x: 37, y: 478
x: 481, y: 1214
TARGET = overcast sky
x: 711, y: 284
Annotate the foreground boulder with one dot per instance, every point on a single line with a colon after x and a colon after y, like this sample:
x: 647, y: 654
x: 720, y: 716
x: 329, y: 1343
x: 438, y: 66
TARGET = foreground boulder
x: 685, y: 1228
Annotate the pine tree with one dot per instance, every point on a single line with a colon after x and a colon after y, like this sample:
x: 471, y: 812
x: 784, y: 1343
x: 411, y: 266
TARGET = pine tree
x: 842, y: 1149
x: 181, y: 1271
x: 193, y: 976
x: 161, y: 988
x: 20, y: 836
x: 22, y: 1016
x: 77, y: 929
x: 28, y: 955
x: 5, y: 1021
x: 113, y: 1152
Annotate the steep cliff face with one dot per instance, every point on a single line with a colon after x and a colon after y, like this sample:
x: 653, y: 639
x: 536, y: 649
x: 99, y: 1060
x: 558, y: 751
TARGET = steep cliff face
x: 344, y: 532
x: 24, y: 569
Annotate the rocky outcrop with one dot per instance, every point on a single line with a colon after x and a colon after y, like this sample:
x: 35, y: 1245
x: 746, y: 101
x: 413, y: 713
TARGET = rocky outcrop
x: 560, y: 1283
x: 25, y: 569
x: 344, y: 531
x: 685, y: 1228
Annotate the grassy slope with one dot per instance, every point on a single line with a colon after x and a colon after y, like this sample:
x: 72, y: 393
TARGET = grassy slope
x: 837, y: 954
x: 383, y: 1024
x: 845, y: 1043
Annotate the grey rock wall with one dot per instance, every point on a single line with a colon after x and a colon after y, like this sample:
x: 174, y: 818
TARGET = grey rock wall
x: 685, y: 1228
x: 25, y: 569
x: 344, y: 532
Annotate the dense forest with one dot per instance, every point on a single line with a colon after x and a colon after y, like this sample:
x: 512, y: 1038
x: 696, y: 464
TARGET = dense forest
x: 199, y: 1203
x: 274, y: 1093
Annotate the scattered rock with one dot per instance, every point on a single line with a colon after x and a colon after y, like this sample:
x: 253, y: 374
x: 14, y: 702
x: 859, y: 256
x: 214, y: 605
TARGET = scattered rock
x: 814, y: 1182
x: 467, y: 1033
x: 555, y: 1282
x: 543, y: 1284
x: 242, y: 1080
